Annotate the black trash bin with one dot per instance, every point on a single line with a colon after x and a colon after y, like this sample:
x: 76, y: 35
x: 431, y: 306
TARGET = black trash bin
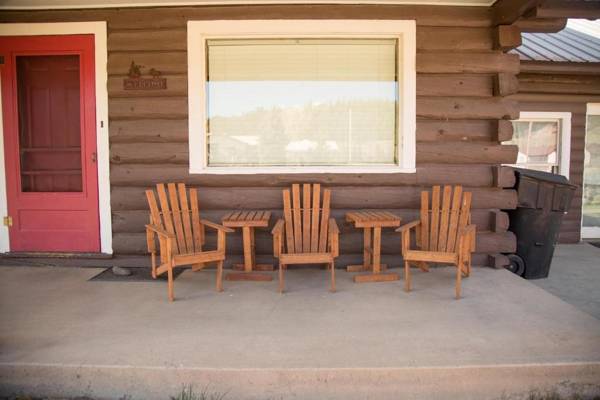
x: 543, y: 199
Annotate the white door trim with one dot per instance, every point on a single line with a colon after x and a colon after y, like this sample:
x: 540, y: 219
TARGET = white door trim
x: 589, y: 232
x: 98, y: 29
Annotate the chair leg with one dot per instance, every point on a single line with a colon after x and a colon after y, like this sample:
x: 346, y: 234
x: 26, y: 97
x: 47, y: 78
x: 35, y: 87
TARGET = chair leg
x: 465, y: 269
x: 407, y: 276
x: 469, y: 265
x: 170, y: 282
x: 281, y: 279
x: 458, y: 278
x: 153, y: 259
x: 197, y: 267
x: 220, y: 276
x: 332, y: 266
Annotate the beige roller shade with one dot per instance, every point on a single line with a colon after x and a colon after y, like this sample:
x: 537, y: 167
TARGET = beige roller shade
x: 302, y: 59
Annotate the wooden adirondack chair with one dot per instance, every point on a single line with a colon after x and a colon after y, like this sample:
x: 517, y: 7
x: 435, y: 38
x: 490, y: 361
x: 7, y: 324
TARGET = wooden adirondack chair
x: 311, y: 237
x: 180, y: 233
x: 443, y: 235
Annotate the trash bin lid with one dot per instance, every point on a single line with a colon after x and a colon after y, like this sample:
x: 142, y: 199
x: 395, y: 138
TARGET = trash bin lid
x: 554, y: 179
x: 543, y: 190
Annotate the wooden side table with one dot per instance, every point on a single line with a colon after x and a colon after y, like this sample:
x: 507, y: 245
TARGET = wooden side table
x: 372, y: 221
x: 248, y: 221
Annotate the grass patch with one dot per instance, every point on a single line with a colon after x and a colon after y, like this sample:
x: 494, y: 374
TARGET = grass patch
x: 187, y: 393
x: 552, y: 394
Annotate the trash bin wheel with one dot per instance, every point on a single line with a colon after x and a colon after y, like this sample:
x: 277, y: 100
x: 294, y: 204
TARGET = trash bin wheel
x: 517, y: 265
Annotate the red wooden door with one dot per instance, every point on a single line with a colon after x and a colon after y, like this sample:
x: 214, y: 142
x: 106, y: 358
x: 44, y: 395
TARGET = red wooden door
x: 48, y: 106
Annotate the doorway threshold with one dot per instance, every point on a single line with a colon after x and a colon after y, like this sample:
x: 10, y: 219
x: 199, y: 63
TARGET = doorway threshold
x: 39, y: 254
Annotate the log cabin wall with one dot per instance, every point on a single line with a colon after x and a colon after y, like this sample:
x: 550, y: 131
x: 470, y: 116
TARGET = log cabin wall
x: 563, y: 87
x: 461, y: 109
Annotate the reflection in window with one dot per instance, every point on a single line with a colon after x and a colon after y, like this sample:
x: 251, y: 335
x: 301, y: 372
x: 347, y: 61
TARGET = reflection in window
x: 538, y: 142
x: 286, y: 102
x: 591, y: 176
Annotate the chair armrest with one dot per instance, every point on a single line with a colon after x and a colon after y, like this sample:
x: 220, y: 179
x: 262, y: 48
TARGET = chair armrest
x: 333, y: 227
x: 216, y: 226
x: 277, y: 233
x: 159, y: 231
x: 278, y: 228
x: 468, y: 232
x: 409, y: 226
x: 469, y: 229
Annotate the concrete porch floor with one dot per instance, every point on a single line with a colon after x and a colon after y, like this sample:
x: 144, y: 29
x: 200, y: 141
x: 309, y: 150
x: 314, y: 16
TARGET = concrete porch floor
x: 575, y: 276
x: 63, y: 335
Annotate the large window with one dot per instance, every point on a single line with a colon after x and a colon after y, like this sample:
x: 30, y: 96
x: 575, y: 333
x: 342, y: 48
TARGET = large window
x: 299, y: 97
x: 543, y: 139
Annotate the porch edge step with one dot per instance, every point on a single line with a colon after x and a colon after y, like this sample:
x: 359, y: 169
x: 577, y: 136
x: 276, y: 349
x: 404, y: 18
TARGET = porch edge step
x: 160, y: 382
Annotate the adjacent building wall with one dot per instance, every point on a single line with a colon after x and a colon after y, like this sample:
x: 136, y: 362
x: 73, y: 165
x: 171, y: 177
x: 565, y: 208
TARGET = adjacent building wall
x: 563, y: 87
x: 462, y: 117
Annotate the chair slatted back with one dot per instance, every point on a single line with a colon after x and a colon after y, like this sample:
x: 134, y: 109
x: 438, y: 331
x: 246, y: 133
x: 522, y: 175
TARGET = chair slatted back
x: 178, y: 216
x: 306, y: 214
x: 450, y: 211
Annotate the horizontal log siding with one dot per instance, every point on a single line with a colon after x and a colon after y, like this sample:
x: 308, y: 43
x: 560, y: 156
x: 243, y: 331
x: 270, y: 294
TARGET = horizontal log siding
x: 458, y: 129
x: 549, y: 91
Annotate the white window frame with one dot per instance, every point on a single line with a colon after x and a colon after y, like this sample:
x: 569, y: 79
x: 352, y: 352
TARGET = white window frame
x: 589, y: 232
x: 564, y: 138
x: 200, y: 31
x: 98, y: 29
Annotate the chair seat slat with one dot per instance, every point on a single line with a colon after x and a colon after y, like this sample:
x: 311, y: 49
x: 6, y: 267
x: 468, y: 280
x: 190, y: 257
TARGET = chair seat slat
x: 454, y: 214
x: 289, y: 226
x: 324, y: 221
x: 297, y: 215
x: 306, y: 217
x: 444, y: 218
x: 314, y: 234
x: 166, y: 213
x: 172, y: 188
x: 435, y: 218
x: 197, y: 227
x: 185, y: 218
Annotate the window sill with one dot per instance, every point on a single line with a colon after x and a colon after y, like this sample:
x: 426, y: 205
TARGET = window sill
x: 303, y: 170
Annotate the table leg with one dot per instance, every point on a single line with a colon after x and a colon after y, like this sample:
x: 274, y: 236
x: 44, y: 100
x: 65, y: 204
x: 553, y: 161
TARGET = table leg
x: 247, y: 236
x: 377, y: 250
x: 367, y: 264
x: 376, y: 276
x: 249, y: 266
x: 367, y: 249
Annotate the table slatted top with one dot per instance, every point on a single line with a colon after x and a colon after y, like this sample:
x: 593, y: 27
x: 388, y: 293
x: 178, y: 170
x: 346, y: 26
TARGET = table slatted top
x: 373, y: 218
x: 240, y: 218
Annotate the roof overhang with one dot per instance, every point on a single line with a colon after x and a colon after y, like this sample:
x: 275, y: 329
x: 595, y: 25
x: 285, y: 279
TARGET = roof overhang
x: 560, y: 68
x: 82, y: 4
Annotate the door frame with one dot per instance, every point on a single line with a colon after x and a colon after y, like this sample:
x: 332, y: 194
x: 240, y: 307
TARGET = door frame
x: 589, y: 232
x: 98, y: 29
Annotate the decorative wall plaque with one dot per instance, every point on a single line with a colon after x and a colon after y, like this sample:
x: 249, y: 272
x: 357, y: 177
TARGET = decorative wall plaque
x: 135, y: 81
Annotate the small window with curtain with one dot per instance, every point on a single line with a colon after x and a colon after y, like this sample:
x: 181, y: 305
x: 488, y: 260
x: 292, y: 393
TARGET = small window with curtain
x: 540, y: 138
x: 300, y: 101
